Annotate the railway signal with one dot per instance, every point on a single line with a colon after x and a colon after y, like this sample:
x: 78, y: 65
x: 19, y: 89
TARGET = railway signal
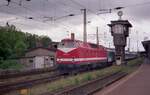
x: 120, y: 32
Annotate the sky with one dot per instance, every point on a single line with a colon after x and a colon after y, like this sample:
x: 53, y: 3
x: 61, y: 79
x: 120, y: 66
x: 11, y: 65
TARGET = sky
x: 50, y: 18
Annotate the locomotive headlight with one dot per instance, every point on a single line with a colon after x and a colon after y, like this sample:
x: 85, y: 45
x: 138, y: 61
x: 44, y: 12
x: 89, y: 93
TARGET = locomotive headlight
x: 59, y: 60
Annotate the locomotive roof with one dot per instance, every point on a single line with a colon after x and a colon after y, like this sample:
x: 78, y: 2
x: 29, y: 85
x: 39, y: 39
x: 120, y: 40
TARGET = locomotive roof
x: 93, y: 45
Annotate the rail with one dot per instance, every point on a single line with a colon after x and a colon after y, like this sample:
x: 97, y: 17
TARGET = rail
x: 91, y: 86
x: 27, y: 83
x: 13, y: 73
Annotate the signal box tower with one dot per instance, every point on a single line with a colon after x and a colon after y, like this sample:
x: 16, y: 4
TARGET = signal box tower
x: 120, y: 32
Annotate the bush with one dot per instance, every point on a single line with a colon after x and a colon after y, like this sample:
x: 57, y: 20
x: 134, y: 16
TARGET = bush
x: 88, y: 77
x: 10, y: 64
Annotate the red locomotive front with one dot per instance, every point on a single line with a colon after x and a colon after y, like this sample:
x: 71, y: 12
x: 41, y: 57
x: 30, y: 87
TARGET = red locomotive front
x: 77, y: 52
x: 75, y: 55
x: 67, y: 52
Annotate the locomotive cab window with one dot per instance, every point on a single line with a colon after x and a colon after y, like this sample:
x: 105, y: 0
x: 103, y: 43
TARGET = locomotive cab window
x: 68, y: 44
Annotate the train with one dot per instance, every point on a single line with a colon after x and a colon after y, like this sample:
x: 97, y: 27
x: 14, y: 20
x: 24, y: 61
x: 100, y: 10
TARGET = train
x: 76, y: 55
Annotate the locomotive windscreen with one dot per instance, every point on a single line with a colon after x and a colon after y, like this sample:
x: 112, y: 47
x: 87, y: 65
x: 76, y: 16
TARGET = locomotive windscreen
x: 67, y: 44
x: 93, y: 45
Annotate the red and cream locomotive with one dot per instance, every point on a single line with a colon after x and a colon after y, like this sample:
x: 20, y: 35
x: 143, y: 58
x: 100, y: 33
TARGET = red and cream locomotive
x: 74, y: 54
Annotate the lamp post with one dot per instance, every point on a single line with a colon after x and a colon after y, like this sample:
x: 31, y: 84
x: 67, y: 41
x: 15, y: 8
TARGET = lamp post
x: 120, y: 32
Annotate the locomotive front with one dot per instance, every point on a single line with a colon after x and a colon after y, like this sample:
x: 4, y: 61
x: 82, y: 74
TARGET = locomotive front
x: 66, y: 52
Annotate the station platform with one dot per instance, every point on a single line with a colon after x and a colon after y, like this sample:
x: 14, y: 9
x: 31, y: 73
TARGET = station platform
x: 137, y: 83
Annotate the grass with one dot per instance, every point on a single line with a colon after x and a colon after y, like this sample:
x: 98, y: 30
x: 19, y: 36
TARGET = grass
x: 132, y: 65
x: 82, y: 78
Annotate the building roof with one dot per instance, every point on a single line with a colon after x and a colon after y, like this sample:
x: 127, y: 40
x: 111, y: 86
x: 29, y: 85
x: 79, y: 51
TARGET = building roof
x: 124, y: 22
x: 49, y: 49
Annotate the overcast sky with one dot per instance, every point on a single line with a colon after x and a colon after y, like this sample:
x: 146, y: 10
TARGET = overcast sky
x: 50, y: 18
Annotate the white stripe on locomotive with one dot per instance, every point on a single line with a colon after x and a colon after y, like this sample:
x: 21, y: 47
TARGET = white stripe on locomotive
x: 81, y: 59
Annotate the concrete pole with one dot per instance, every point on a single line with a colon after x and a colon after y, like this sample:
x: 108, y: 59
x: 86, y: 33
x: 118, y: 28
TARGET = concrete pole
x: 97, y: 36
x: 84, y: 26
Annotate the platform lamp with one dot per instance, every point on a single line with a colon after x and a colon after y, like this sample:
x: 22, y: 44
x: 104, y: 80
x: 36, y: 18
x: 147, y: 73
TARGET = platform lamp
x: 120, y: 32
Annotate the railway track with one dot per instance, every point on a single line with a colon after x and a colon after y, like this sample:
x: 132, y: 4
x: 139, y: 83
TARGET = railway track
x: 90, y: 87
x: 4, y: 88
x: 17, y: 80
x: 27, y: 83
x: 14, y: 74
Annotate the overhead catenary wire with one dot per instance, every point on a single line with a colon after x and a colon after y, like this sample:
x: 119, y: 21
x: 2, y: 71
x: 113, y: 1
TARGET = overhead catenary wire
x: 137, y: 4
x: 77, y: 3
x: 21, y: 18
x: 27, y: 8
x: 29, y: 18
x: 56, y: 19
x: 68, y: 26
x: 18, y: 5
x: 84, y: 7
x: 32, y: 12
x: 63, y: 9
x: 127, y: 6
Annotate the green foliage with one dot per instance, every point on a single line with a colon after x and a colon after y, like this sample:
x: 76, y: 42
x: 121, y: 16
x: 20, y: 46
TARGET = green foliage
x: 31, y: 40
x: 130, y: 67
x: 10, y: 64
x: 14, y: 43
x: 11, y: 41
x: 88, y: 77
x: 45, y: 41
x: 20, y: 47
x: 76, y: 80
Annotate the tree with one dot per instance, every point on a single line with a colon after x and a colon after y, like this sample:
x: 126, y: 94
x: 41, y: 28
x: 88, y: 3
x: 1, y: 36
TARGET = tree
x: 14, y: 43
x: 10, y: 41
x: 19, y: 48
x: 46, y: 41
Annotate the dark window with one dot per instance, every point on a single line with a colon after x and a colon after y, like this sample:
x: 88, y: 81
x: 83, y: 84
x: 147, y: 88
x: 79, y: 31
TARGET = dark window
x: 31, y: 61
x: 52, y: 58
x: 93, y: 45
